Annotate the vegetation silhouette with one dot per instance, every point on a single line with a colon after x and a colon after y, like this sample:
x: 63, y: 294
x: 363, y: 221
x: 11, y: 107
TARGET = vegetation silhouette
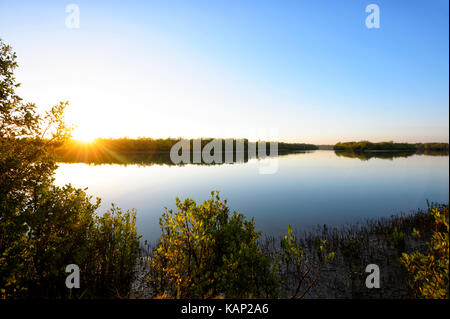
x: 365, y: 150
x: 148, y: 151
x: 363, y: 146
x: 43, y: 227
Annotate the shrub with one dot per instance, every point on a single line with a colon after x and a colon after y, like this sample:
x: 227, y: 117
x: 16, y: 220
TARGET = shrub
x: 294, y: 263
x: 429, y: 272
x: 204, y: 252
x: 398, y: 239
x: 62, y: 229
x: 114, y: 248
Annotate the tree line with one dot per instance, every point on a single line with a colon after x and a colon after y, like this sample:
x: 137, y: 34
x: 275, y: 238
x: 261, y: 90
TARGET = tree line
x: 390, y: 146
x: 147, y: 144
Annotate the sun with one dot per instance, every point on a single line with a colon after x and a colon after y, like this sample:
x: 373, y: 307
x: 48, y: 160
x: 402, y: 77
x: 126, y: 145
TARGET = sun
x: 84, y: 136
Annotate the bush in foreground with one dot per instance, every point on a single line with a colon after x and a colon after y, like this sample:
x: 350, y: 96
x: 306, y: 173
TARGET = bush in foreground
x: 429, y: 271
x: 62, y: 229
x: 204, y: 251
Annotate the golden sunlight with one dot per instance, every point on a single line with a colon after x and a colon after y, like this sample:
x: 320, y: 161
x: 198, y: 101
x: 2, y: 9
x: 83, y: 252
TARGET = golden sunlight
x: 83, y: 135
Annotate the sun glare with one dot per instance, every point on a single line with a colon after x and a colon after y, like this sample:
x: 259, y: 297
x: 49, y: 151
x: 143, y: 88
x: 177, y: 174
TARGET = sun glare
x: 83, y: 136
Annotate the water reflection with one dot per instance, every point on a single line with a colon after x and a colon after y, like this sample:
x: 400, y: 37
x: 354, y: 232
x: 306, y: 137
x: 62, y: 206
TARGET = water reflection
x: 149, y: 158
x: 318, y: 187
x: 163, y: 158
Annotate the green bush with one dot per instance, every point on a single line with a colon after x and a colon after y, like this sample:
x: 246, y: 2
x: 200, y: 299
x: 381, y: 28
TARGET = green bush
x: 62, y: 229
x: 114, y: 248
x: 205, y: 252
x: 429, y: 272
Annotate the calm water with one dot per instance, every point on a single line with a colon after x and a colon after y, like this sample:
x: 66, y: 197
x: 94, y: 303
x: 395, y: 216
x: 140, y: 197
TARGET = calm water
x: 309, y: 189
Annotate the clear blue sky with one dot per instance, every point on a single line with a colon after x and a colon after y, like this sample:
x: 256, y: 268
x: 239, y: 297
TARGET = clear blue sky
x: 310, y: 69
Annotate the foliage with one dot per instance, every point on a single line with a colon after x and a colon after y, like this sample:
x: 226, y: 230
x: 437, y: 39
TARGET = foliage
x: 429, y: 272
x: 113, y: 248
x: 62, y: 230
x: 390, y: 146
x: 146, y: 151
x: 428, y: 147
x: 204, y: 252
x: 398, y: 239
x: 306, y: 271
x: 365, y: 145
x: 109, y: 149
x: 43, y: 228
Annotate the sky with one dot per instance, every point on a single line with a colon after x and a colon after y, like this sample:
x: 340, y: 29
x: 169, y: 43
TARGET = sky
x: 295, y: 71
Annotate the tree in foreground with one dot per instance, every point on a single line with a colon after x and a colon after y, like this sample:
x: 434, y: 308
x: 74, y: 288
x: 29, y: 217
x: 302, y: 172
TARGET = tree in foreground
x: 43, y: 228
